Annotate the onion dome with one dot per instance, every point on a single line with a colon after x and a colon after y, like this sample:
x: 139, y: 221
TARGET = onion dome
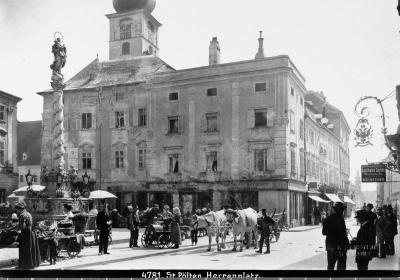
x: 122, y: 6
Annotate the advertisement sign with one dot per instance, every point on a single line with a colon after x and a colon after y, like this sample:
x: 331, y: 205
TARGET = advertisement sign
x: 373, y: 173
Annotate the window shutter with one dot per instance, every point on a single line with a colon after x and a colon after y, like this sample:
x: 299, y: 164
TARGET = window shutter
x: 203, y: 123
x: 270, y: 159
x: 164, y: 125
x: 112, y: 119
x: 132, y: 114
x: 270, y: 117
x: 93, y: 158
x: 180, y: 124
x: 250, y: 119
x: 126, y: 117
x: 93, y: 121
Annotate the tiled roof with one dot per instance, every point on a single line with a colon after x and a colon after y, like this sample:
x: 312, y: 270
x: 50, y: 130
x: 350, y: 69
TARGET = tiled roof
x: 116, y: 72
x: 29, y: 143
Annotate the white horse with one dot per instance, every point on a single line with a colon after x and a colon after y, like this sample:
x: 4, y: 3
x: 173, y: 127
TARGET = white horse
x: 215, y: 223
x: 243, y: 221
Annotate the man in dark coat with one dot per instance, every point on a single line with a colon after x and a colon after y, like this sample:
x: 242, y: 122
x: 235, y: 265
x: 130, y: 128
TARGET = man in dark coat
x: 390, y: 231
x: 336, y: 243
x: 133, y: 225
x: 103, y: 223
x: 381, y: 224
x: 371, y: 215
x: 265, y: 225
x: 365, y: 242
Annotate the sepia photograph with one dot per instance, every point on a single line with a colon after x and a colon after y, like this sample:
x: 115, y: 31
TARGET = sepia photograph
x: 190, y: 139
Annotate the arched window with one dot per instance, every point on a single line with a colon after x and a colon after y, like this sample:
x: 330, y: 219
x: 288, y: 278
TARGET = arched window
x: 150, y: 50
x: 126, y: 48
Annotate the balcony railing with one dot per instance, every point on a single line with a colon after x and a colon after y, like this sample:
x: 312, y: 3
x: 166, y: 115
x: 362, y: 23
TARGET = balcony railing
x: 210, y: 176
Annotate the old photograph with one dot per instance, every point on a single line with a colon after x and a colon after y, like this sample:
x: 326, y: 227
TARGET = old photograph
x: 188, y: 138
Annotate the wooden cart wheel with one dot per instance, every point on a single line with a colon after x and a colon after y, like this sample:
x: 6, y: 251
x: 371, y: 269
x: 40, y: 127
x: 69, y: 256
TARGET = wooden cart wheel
x: 162, y: 241
x: 169, y: 242
x: 73, y: 249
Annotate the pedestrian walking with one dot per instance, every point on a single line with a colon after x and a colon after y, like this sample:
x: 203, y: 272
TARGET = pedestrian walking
x: 390, y: 231
x: 381, y: 224
x: 175, y: 230
x: 365, y: 241
x: 336, y: 243
x: 28, y: 248
x: 194, y: 229
x: 265, y: 227
x: 103, y: 223
x: 133, y: 226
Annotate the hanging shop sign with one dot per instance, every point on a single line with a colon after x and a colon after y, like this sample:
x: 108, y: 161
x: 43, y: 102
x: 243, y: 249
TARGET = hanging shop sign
x: 373, y: 173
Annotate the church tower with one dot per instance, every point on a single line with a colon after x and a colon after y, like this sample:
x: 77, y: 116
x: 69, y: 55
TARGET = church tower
x: 133, y: 30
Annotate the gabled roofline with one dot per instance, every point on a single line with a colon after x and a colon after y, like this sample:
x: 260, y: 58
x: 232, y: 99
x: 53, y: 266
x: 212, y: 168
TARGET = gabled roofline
x: 10, y: 96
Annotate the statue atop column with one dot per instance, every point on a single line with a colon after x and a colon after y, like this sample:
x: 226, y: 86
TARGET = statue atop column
x: 60, y: 58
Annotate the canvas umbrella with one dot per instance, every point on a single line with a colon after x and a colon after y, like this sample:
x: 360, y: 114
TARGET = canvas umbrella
x: 101, y: 195
x: 23, y: 190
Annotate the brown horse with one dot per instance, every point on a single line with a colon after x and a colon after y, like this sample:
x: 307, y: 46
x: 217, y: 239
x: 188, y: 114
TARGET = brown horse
x: 215, y: 223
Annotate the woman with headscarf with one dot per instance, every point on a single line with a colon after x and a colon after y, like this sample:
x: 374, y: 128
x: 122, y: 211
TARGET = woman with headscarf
x: 29, y: 253
x: 175, y: 230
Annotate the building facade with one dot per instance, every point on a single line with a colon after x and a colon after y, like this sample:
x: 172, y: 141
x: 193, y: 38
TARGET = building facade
x: 29, y: 147
x: 8, y: 144
x: 226, y: 134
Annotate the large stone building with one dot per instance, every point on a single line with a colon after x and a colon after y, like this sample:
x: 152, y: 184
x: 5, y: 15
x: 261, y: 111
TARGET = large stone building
x: 223, y: 134
x: 8, y: 144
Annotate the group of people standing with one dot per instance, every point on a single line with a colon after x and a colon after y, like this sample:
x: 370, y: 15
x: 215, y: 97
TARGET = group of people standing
x: 374, y: 238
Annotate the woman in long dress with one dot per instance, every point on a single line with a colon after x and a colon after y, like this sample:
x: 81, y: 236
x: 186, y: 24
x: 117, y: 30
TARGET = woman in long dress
x: 29, y: 253
x: 175, y: 230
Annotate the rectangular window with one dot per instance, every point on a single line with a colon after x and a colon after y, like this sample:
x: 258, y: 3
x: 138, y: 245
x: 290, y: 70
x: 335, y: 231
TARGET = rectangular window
x: 2, y: 112
x: 21, y: 178
x: 260, y: 87
x: 293, y: 162
x: 292, y: 91
x: 119, y: 159
x: 119, y: 120
x: 142, y: 158
x: 125, y: 31
x: 86, y: 120
x: 173, y: 166
x: 2, y: 153
x: 212, y: 122
x: 212, y: 92
x: 212, y: 161
x: 86, y: 161
x: 173, y: 125
x: 260, y: 118
x: 292, y: 122
x: 173, y: 96
x: 260, y: 160
x: 142, y: 115
x: 119, y: 96
x: 301, y: 129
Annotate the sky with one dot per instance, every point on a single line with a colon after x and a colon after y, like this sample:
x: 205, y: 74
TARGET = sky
x: 347, y: 49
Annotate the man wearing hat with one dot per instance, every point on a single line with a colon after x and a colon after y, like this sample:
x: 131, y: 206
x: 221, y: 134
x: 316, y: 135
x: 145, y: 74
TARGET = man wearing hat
x: 371, y: 215
x: 265, y: 226
x: 29, y: 253
x: 381, y: 224
x: 103, y: 223
x: 336, y: 243
x: 390, y: 231
x: 133, y: 224
x: 365, y: 242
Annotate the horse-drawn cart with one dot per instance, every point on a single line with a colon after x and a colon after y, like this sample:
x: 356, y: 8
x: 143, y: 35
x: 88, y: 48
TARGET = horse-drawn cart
x: 157, y: 234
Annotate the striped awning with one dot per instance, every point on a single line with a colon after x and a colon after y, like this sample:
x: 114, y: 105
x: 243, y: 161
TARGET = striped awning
x: 348, y: 200
x: 333, y: 197
x: 317, y: 198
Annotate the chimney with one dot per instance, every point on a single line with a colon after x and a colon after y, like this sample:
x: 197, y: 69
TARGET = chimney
x: 260, y: 54
x: 215, y: 52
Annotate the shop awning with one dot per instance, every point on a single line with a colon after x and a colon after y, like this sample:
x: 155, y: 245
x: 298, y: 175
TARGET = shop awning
x: 348, y: 200
x: 317, y: 198
x: 333, y: 197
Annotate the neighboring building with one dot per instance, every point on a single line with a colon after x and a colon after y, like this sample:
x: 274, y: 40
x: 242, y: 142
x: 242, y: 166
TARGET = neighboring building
x: 8, y: 144
x: 355, y: 192
x: 326, y: 153
x: 29, y: 145
x: 389, y: 192
x: 224, y: 134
